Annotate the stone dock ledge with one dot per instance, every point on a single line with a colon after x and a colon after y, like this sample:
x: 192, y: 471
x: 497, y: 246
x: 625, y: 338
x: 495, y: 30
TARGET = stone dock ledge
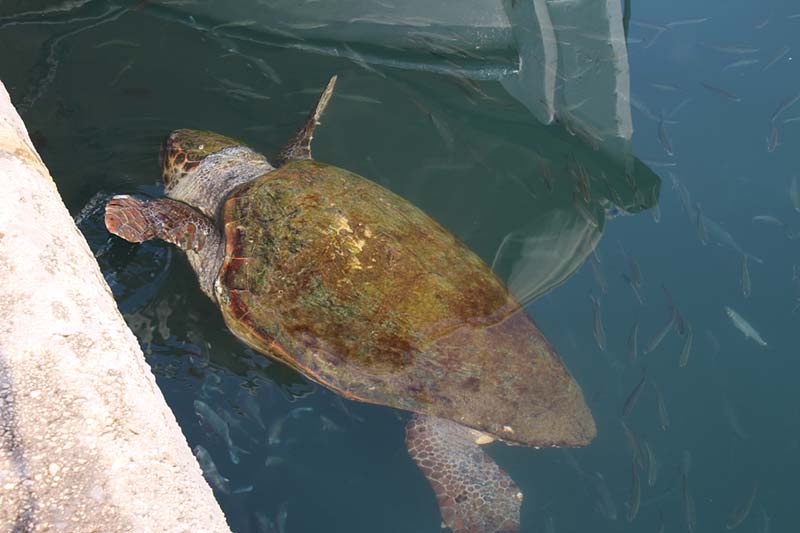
x: 87, y: 442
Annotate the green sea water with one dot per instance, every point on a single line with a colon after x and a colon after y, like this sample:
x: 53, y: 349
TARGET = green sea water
x: 699, y: 202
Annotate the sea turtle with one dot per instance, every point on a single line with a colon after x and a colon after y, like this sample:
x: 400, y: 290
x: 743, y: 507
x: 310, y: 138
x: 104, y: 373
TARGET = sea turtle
x: 362, y: 292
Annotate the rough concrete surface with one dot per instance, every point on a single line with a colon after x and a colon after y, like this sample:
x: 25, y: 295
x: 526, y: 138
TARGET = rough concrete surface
x: 87, y: 442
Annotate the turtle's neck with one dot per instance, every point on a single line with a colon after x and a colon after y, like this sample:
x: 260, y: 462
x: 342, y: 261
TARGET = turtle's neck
x: 206, y: 187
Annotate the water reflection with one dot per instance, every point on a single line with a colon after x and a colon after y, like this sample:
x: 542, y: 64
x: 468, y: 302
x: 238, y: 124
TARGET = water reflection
x: 562, y: 60
x: 573, y: 191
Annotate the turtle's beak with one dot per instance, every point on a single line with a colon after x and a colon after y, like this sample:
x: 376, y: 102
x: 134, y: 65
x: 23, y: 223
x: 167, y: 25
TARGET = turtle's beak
x: 183, y: 150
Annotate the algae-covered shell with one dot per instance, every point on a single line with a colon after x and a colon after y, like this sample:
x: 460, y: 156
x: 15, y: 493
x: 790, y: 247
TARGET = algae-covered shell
x: 363, y: 292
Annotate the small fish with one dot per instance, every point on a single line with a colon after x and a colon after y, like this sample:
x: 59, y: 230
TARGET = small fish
x: 769, y: 219
x: 250, y: 406
x: 680, y: 323
x: 634, y: 288
x: 597, y: 324
x: 794, y: 193
x: 264, y: 523
x: 598, y: 275
x: 582, y: 180
x: 663, y: 414
x: 659, y: 336
x: 684, y: 22
x: 634, y: 395
x: 210, y: 472
x: 651, y: 25
x: 596, y: 256
x: 665, y: 87
x: 270, y: 73
x: 240, y: 94
x: 746, y: 288
x: 773, y: 137
x: 743, y: 326
x: 686, y: 463
x: 777, y: 57
x: 443, y: 130
x: 306, y: 25
x: 642, y: 108
x: 664, y: 138
x: 359, y: 60
x: 546, y: 175
x: 328, y: 424
x: 125, y: 68
x: 234, y: 422
x: 549, y: 525
x: 636, y: 272
x: 636, y: 494
x: 700, y: 225
x: 283, y: 514
x: 243, y: 489
x: 273, y: 460
x: 735, y: 49
x: 763, y: 524
x: 791, y: 119
x: 297, y: 411
x: 215, y: 422
x: 235, y: 24
x: 633, y: 442
x: 740, y: 63
x: 784, y: 105
x: 572, y: 462
x: 721, y: 92
x: 738, y: 516
x: 733, y: 420
x: 117, y: 42
x: 655, y: 212
x: 683, y: 195
x: 358, y: 98
x: 653, y: 466
x: 688, y: 506
x: 606, y: 505
x: 211, y: 385
x: 719, y: 235
x: 340, y: 403
x: 276, y: 428
x: 633, y: 342
x: 686, y: 350
x: 683, y: 103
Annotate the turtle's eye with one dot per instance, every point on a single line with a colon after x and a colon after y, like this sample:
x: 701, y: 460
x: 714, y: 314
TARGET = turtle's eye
x: 183, y: 150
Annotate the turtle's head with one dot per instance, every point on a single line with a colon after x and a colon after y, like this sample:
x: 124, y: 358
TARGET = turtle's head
x: 200, y: 168
x: 183, y: 150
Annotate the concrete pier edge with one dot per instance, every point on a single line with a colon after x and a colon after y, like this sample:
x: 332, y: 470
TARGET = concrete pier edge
x: 87, y: 442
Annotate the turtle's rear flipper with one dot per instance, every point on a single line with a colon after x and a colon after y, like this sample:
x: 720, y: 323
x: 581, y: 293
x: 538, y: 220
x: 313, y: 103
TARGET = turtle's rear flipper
x: 138, y: 220
x: 299, y: 146
x: 474, y: 494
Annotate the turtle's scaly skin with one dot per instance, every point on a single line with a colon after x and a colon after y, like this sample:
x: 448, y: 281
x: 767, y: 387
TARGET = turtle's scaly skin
x: 363, y: 292
x: 473, y: 492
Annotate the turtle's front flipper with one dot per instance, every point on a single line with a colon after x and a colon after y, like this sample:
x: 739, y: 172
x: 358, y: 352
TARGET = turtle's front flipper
x: 138, y: 220
x: 474, y: 494
x: 299, y: 146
